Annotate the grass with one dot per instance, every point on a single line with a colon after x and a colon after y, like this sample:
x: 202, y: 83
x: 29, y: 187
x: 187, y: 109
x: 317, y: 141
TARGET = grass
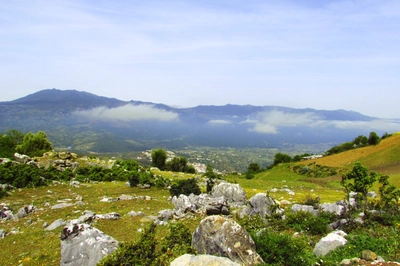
x: 32, y: 245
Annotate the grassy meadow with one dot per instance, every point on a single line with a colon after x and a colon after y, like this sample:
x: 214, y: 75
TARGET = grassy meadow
x: 32, y: 245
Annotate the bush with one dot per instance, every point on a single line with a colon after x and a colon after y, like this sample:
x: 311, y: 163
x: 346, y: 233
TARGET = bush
x: 303, y: 221
x: 282, y: 249
x: 186, y: 187
x: 141, y: 253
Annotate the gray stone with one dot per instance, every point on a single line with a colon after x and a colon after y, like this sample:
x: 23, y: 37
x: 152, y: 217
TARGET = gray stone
x: 183, y: 205
x: 218, y: 235
x: 3, y: 233
x: 202, y: 260
x: 108, y: 216
x: 136, y: 214
x: 330, y: 242
x: 233, y: 193
x: 165, y: 215
x: 335, y: 208
x: 62, y: 205
x: 84, y: 245
x: 57, y: 223
x: 305, y: 208
x: 261, y: 204
x: 22, y: 158
x: 24, y: 211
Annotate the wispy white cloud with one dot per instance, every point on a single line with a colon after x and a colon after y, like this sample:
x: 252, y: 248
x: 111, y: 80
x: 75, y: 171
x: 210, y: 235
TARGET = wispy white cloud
x: 128, y: 113
x: 270, y: 122
x: 219, y: 122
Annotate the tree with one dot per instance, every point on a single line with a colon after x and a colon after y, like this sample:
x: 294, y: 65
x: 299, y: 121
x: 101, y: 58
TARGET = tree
x: 359, y: 180
x: 361, y: 141
x: 185, y: 187
x: 373, y: 139
x: 177, y: 164
x: 282, y: 158
x: 253, y: 168
x: 211, y: 176
x: 34, y: 144
x: 9, y: 142
x: 158, y: 158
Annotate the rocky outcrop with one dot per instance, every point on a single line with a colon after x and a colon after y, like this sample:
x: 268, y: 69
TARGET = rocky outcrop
x: 218, y: 235
x: 202, y: 260
x: 263, y: 205
x: 330, y: 242
x: 234, y: 194
x: 82, y: 244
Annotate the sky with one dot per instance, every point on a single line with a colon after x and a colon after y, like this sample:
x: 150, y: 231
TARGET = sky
x: 325, y: 54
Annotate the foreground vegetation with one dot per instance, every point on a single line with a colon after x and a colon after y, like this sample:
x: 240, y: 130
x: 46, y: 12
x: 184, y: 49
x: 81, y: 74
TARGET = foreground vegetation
x: 32, y: 245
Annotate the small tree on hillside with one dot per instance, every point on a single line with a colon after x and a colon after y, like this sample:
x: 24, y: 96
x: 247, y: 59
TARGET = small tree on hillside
x: 158, y: 158
x: 373, y: 139
x: 282, y: 158
x: 359, y: 180
x: 34, y: 144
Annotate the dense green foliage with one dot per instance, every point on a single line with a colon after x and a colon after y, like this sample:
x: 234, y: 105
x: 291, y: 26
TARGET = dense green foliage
x: 24, y: 175
x: 179, y: 164
x: 282, y: 249
x: 34, y: 144
x: 159, y: 158
x: 29, y: 144
x: 358, y: 142
x: 185, y: 187
x: 147, y: 251
x: 9, y: 142
x: 359, y: 180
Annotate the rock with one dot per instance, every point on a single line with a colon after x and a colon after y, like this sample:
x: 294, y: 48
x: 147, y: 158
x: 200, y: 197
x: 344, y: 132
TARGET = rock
x: 108, y: 216
x: 368, y: 255
x: 233, y: 193
x: 136, y: 214
x: 24, y: 211
x: 74, y: 183
x: 62, y: 205
x: 262, y: 205
x: 22, y: 158
x: 57, y: 223
x: 335, y: 208
x: 165, y: 215
x: 202, y: 260
x: 217, y: 235
x: 346, y: 262
x: 3, y: 233
x: 330, y: 242
x: 125, y: 197
x: 183, y: 205
x: 87, y: 217
x: 305, y: 208
x: 82, y: 244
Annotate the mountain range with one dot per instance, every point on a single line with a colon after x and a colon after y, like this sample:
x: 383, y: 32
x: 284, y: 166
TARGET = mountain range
x: 87, y: 122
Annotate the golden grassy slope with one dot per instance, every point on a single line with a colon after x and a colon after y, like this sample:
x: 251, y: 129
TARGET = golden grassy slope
x: 387, y: 153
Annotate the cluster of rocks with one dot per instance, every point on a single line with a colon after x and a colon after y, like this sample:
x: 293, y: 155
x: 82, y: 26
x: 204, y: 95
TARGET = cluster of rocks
x: 125, y: 197
x: 7, y: 214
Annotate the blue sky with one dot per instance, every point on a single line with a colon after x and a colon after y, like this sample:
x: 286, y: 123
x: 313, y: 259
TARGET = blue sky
x: 342, y: 54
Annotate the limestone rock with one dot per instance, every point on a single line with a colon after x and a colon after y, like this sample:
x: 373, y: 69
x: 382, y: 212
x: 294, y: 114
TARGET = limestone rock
x: 233, y: 193
x: 262, y: 204
x: 368, y: 255
x: 305, y: 208
x: 57, y: 223
x: 202, y: 260
x: 330, y: 242
x: 218, y: 235
x: 84, y: 245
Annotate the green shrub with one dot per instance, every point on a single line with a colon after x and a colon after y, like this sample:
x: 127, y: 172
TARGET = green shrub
x: 178, y: 242
x: 186, y: 187
x: 303, y: 221
x: 140, y: 253
x: 282, y: 249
